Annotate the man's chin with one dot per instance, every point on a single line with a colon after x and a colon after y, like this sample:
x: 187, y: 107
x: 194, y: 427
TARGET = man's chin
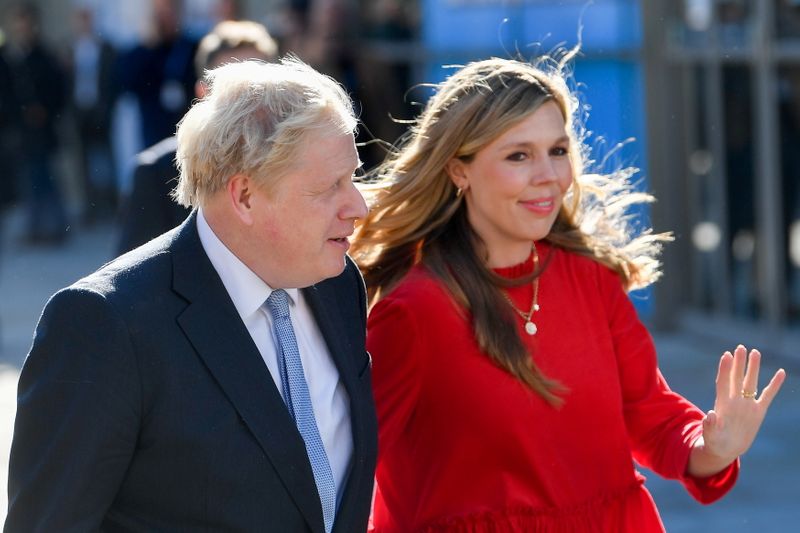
x: 330, y: 270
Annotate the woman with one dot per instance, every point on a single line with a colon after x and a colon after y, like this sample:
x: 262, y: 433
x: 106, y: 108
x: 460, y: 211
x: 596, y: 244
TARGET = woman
x: 515, y: 385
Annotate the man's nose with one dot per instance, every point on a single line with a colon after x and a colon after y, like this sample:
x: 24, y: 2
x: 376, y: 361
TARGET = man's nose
x: 356, y: 206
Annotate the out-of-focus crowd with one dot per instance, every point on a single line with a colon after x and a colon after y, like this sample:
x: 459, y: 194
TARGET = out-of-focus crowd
x: 57, y: 99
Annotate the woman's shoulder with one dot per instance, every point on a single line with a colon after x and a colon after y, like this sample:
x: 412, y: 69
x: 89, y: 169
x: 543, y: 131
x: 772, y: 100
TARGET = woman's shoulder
x: 582, y: 269
x: 560, y: 258
x: 419, y: 293
x: 418, y: 286
x: 419, y: 301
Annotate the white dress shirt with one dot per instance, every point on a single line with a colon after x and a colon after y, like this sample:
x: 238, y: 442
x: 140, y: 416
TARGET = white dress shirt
x: 329, y: 398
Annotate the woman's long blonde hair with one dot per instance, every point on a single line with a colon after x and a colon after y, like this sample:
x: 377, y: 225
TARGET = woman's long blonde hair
x: 417, y: 217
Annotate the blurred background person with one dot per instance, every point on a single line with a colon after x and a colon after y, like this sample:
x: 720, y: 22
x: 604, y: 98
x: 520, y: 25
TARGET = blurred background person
x: 8, y: 113
x: 365, y: 45
x: 40, y: 91
x: 228, y: 10
x: 94, y: 90
x: 160, y: 72
x: 150, y: 210
x: 384, y: 73
x: 8, y: 123
x: 322, y: 33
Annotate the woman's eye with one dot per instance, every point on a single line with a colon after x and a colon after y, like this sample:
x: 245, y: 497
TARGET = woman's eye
x: 559, y: 151
x: 517, y: 156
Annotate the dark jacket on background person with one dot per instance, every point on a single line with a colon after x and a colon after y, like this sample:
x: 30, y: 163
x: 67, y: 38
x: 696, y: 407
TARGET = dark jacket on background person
x: 8, y: 123
x: 162, y: 78
x: 94, y: 119
x: 40, y: 91
x: 150, y: 210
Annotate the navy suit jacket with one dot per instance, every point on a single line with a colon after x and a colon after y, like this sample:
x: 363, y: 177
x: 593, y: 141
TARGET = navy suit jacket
x: 144, y: 405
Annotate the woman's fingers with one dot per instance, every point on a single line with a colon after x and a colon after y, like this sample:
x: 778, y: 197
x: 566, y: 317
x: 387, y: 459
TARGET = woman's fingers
x: 771, y: 390
x: 724, y: 376
x: 710, y: 422
x: 729, y: 429
x: 737, y: 377
x: 750, y: 381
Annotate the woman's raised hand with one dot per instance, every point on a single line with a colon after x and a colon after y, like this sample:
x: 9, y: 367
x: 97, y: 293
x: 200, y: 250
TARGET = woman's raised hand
x: 730, y: 428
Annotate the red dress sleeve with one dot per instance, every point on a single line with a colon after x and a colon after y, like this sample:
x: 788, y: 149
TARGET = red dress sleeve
x: 662, y: 425
x: 393, y: 341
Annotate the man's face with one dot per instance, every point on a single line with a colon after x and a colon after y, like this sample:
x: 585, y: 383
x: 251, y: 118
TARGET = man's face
x: 301, y: 225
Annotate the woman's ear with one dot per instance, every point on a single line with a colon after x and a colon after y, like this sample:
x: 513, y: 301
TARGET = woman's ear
x: 457, y: 171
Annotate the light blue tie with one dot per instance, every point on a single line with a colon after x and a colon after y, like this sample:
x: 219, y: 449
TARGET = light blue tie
x: 298, y: 401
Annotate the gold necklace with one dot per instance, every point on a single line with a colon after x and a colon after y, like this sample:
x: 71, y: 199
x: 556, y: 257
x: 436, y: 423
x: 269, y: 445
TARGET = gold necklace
x: 530, y: 327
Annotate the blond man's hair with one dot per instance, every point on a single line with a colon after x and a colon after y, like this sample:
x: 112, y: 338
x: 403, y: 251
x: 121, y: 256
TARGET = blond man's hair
x: 254, y: 120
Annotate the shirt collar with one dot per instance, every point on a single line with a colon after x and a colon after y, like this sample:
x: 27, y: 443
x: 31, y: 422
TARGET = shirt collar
x: 247, y: 291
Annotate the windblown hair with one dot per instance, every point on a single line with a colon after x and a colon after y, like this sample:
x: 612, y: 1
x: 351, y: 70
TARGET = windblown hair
x: 254, y: 120
x: 417, y: 217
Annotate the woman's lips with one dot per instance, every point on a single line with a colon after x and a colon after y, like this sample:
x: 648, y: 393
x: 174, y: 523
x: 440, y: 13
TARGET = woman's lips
x: 542, y: 206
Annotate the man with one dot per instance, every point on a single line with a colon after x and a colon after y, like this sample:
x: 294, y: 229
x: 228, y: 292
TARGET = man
x: 92, y: 72
x: 39, y: 92
x: 8, y: 126
x: 189, y: 385
x: 159, y: 71
x: 149, y: 209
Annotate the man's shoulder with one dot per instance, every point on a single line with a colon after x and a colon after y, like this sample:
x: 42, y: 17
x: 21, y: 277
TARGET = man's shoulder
x: 135, y: 274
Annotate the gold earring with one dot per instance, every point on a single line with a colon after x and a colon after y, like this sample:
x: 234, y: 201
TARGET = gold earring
x: 459, y: 192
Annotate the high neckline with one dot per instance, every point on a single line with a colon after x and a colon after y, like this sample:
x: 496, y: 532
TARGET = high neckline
x: 526, y: 267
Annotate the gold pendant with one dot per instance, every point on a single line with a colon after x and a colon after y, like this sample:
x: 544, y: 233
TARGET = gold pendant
x: 530, y: 328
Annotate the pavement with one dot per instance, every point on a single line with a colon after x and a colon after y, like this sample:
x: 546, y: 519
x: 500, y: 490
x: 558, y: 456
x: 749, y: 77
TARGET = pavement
x: 766, y: 498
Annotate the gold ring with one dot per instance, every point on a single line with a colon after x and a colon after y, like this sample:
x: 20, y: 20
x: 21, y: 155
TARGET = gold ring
x: 749, y: 395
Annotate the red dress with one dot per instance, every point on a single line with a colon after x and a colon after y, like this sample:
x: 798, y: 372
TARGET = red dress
x: 465, y: 447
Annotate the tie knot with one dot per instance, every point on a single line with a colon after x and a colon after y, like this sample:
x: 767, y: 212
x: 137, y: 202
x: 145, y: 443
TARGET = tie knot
x: 278, y: 304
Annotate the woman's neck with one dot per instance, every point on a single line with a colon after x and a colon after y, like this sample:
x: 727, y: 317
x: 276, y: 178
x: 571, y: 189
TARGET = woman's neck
x: 509, y: 256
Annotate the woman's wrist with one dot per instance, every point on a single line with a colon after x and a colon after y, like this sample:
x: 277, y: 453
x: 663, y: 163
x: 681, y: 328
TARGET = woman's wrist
x: 703, y: 462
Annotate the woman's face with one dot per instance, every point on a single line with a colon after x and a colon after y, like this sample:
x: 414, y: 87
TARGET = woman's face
x: 514, y: 186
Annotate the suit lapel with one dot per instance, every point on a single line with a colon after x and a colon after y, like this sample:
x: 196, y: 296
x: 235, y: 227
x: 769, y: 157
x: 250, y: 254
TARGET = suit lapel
x: 333, y: 331
x: 217, y: 333
x: 323, y: 301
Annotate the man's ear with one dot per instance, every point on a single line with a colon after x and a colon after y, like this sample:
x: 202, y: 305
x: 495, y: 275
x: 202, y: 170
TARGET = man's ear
x: 239, y: 191
x: 457, y: 171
